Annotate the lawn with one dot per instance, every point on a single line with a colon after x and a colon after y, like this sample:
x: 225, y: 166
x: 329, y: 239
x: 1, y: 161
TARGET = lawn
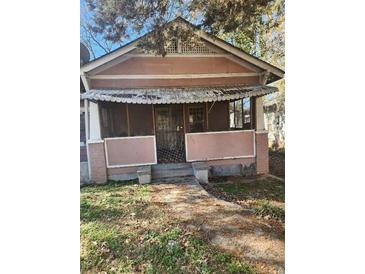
x: 123, y: 231
x: 264, y: 195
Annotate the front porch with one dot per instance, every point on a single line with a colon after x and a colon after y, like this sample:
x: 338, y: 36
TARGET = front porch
x: 222, y: 137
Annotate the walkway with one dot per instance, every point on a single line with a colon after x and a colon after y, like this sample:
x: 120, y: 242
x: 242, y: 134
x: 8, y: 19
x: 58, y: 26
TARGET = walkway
x: 224, y: 224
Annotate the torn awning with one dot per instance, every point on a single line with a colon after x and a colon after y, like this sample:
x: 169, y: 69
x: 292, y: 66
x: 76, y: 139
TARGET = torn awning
x: 176, y: 95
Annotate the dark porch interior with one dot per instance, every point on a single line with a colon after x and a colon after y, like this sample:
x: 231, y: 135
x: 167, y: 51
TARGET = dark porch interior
x: 170, y: 122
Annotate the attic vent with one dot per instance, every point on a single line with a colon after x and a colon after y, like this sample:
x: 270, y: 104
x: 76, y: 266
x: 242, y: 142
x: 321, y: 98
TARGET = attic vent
x: 184, y: 48
x: 188, y: 48
x: 172, y: 47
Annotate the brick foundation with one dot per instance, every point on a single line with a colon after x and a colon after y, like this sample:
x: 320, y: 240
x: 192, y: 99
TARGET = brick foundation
x: 262, y: 153
x: 98, y: 172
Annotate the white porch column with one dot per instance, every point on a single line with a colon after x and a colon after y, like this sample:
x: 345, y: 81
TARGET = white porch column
x: 94, y: 130
x: 86, y: 109
x: 260, y: 123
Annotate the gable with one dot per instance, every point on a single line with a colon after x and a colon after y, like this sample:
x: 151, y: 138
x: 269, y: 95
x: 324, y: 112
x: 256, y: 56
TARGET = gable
x: 198, y: 64
x: 208, y: 57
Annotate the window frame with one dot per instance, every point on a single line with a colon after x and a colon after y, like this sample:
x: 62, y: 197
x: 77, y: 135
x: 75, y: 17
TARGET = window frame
x: 245, y: 126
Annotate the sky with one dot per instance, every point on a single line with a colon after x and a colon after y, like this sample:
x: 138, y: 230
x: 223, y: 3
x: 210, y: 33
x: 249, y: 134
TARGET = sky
x: 98, y: 51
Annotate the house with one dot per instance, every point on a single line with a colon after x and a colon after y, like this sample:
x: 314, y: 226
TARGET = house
x: 199, y: 107
x: 84, y: 176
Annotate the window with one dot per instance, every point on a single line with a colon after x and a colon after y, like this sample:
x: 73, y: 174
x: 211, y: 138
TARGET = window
x: 246, y: 104
x: 218, y: 119
x: 104, y: 117
x: 113, y: 120
x: 140, y: 120
x: 196, y: 118
x: 240, y: 114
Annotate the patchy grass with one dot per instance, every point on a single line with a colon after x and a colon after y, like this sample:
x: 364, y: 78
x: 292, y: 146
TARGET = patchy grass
x: 265, y: 196
x: 121, y: 231
x: 257, y: 188
x: 265, y: 208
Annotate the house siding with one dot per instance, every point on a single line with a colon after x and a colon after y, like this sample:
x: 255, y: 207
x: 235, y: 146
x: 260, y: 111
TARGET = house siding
x: 175, y: 65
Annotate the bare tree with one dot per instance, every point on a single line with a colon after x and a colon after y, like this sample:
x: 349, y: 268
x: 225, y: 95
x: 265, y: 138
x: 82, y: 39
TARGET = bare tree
x: 94, y: 42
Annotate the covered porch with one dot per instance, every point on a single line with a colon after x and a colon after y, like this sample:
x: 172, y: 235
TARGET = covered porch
x: 218, y: 128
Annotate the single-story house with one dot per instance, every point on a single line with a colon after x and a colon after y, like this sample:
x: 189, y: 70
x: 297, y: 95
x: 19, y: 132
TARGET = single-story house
x: 199, y: 107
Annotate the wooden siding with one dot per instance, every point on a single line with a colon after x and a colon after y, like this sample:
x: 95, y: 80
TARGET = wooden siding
x: 175, y: 65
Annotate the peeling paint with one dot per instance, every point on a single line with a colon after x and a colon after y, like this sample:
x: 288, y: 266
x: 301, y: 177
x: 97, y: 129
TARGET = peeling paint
x: 177, y: 95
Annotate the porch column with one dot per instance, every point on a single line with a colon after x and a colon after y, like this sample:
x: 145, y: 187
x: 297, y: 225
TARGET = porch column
x: 260, y: 124
x: 96, y: 150
x: 94, y: 132
x: 262, y: 151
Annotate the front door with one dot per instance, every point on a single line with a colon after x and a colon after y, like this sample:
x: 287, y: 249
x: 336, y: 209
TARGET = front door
x: 169, y: 127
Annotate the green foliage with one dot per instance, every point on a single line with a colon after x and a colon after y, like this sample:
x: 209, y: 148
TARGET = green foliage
x: 115, y: 20
x: 223, y: 257
x: 265, y: 208
x: 240, y: 268
x: 232, y: 188
x: 243, y: 39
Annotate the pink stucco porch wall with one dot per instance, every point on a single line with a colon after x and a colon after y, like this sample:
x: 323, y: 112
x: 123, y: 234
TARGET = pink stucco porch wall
x: 239, y: 143
x: 140, y: 151
x: 220, y: 145
x: 127, y: 151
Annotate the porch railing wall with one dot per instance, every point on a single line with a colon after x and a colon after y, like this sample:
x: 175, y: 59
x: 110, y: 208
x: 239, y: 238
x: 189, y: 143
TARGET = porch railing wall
x: 130, y: 151
x: 220, y: 145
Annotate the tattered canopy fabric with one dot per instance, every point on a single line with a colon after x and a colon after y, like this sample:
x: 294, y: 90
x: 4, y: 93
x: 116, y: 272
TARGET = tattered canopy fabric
x: 176, y: 95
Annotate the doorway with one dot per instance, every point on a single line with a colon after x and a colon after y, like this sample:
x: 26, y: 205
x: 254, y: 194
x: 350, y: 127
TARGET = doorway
x: 170, y: 137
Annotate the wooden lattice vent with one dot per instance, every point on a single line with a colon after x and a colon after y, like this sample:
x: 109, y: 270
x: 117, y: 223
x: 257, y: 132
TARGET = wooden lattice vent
x: 176, y: 47
x: 186, y: 48
x: 172, y: 47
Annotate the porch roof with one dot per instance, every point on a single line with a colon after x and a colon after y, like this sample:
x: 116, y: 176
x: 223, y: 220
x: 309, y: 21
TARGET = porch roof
x: 176, y: 95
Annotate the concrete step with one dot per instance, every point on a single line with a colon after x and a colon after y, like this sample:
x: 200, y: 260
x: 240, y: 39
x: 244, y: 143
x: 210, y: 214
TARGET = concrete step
x: 172, y: 170
x: 171, y: 166
x: 190, y: 180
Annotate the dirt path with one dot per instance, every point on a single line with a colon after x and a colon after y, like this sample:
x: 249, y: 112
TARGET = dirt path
x: 224, y: 224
